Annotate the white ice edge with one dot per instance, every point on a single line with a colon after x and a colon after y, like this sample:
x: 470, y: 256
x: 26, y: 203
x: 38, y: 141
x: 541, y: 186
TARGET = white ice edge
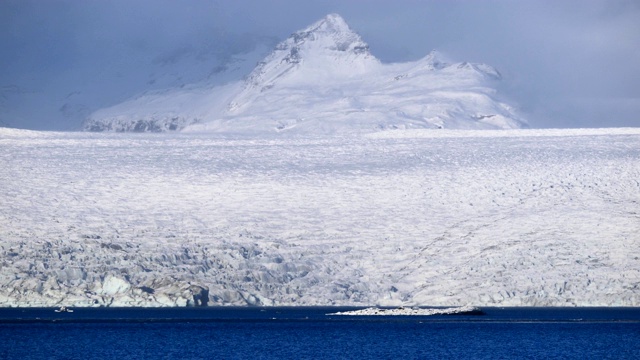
x: 405, y: 311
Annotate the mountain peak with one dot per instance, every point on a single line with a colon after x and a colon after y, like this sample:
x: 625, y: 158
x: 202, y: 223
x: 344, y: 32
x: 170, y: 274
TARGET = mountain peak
x: 334, y: 30
x: 322, y: 79
x: 435, y: 60
x: 330, y: 23
x: 329, y: 34
x: 328, y: 46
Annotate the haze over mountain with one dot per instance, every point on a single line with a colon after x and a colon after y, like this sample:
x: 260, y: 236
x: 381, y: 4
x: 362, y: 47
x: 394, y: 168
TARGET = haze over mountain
x: 564, y: 64
x: 104, y: 76
x: 323, y: 79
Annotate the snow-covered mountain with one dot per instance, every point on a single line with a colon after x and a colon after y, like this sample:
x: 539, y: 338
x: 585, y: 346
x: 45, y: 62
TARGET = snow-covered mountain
x: 323, y: 79
x: 61, y: 99
x: 404, y: 217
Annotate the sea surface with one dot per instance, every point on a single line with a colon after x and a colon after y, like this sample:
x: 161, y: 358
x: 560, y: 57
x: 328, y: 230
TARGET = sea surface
x: 310, y: 333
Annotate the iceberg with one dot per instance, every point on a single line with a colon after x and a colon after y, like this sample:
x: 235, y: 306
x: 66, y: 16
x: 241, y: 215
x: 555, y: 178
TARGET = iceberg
x: 404, y: 311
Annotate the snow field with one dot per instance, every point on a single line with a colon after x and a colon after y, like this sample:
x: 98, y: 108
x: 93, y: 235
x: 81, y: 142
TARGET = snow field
x: 524, y: 217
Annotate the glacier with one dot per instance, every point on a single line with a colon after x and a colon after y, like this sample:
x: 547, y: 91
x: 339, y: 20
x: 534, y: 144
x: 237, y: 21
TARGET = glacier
x: 392, y: 218
x: 324, y: 80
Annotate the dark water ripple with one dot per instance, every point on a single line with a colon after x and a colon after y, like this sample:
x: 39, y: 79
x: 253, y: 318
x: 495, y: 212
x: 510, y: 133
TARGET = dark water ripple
x: 307, y: 333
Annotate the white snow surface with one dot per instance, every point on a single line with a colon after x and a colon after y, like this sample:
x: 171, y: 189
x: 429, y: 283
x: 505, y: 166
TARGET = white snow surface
x: 402, y: 218
x: 324, y: 80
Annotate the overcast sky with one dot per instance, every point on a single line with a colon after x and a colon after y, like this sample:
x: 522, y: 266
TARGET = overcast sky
x: 566, y: 63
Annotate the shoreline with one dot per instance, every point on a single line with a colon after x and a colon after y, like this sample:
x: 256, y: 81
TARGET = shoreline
x: 318, y: 313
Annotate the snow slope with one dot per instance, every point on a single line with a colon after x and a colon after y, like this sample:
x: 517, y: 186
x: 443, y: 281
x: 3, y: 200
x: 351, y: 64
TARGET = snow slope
x: 439, y: 218
x: 323, y: 79
x: 62, y: 99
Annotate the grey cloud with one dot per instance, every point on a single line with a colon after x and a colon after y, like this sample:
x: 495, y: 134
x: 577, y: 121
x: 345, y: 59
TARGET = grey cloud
x: 566, y: 63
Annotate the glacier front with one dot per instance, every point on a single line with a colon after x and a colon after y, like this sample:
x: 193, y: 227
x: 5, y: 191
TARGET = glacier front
x: 438, y: 218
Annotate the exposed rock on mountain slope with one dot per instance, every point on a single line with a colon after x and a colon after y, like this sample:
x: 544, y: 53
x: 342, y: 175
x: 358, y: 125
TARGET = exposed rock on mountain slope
x: 323, y: 79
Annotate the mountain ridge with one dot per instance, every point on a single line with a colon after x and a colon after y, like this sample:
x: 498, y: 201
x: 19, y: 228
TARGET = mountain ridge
x: 324, y: 80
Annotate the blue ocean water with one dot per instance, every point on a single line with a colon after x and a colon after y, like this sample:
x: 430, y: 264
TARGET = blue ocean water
x: 309, y: 333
